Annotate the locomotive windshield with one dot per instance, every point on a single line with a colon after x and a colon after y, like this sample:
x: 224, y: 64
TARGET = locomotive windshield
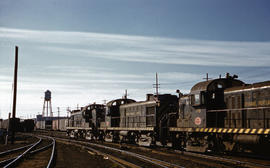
x: 195, y: 99
x: 108, y: 112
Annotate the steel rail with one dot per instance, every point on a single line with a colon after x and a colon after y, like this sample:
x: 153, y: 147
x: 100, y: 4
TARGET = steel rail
x: 41, y: 149
x: 52, y: 158
x: 17, y: 159
x: 14, y: 150
x: 122, y: 163
x: 154, y: 161
x: 116, y: 160
x: 4, y: 162
x: 226, y: 160
x: 157, y: 162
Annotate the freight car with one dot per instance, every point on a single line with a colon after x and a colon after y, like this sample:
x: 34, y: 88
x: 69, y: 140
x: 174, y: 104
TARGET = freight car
x: 7, y: 124
x: 2, y: 133
x: 19, y: 125
x: 60, y: 124
x: 27, y: 125
x: 224, y: 114
x: 51, y: 123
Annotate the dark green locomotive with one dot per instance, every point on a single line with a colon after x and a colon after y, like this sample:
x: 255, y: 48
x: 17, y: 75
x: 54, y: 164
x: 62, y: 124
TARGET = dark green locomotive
x: 223, y: 114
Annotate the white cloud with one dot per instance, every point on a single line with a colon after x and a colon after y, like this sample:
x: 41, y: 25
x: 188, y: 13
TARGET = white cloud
x: 78, y: 84
x: 146, y: 49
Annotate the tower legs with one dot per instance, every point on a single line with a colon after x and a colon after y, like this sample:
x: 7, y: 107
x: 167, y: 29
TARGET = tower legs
x: 47, y: 106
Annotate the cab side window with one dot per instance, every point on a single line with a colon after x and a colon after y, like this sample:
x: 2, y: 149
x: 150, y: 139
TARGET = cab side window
x: 195, y: 99
x: 203, y: 98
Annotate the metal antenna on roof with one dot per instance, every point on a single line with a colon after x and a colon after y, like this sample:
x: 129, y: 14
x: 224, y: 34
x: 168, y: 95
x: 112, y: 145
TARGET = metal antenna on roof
x: 207, y: 78
x: 156, y: 85
x: 125, y: 95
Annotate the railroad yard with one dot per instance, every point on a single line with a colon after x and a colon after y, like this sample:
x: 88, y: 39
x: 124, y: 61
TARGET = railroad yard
x: 169, y: 131
x: 55, y: 149
x: 134, y: 84
x: 165, y: 130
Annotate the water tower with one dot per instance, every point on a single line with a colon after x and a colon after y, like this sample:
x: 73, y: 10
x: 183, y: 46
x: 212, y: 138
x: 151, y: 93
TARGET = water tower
x: 47, y: 103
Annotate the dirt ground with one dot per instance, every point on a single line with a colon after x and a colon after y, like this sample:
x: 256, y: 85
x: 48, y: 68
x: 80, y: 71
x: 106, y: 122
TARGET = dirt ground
x: 66, y: 156
x: 36, y: 161
x: 76, y: 157
x: 20, y: 140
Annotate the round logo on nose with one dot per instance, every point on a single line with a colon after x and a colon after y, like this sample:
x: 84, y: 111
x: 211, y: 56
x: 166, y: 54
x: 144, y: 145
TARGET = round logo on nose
x: 198, y: 121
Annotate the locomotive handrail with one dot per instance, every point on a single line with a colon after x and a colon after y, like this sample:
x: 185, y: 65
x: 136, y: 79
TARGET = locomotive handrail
x: 249, y: 108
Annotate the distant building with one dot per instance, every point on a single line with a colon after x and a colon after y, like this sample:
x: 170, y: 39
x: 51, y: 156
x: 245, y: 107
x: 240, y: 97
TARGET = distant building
x: 47, y: 122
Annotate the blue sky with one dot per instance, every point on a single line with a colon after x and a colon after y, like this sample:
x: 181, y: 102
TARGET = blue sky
x: 90, y: 51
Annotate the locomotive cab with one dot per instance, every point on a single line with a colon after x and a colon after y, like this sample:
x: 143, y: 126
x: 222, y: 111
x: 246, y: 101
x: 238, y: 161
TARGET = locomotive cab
x: 197, y: 109
x: 94, y: 114
x: 86, y: 113
x: 201, y: 109
x: 197, y: 99
x: 112, y: 118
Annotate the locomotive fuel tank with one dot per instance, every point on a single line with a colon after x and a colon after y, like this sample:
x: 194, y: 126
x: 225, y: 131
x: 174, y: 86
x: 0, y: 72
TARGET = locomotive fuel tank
x: 247, y: 139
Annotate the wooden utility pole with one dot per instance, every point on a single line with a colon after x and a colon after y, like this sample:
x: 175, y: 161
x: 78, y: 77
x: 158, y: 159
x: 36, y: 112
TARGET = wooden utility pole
x: 8, y: 128
x: 58, y: 109
x: 157, y: 84
x: 68, y: 111
x: 14, y: 95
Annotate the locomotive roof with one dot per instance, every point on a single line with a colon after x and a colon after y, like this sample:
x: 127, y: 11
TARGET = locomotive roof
x: 201, y: 86
x: 120, y: 101
x: 92, y: 105
x: 139, y: 103
x: 226, y: 82
x: 250, y: 86
x: 75, y: 112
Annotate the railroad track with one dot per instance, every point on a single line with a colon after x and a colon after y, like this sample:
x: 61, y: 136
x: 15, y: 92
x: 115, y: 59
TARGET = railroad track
x: 208, y: 160
x: 21, y: 141
x: 177, y: 158
x: 18, y: 156
x: 204, y: 160
x: 130, y: 159
x: 224, y: 160
x: 197, y: 160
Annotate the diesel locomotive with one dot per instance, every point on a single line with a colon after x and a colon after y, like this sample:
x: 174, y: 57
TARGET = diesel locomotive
x: 218, y: 115
x: 224, y: 114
